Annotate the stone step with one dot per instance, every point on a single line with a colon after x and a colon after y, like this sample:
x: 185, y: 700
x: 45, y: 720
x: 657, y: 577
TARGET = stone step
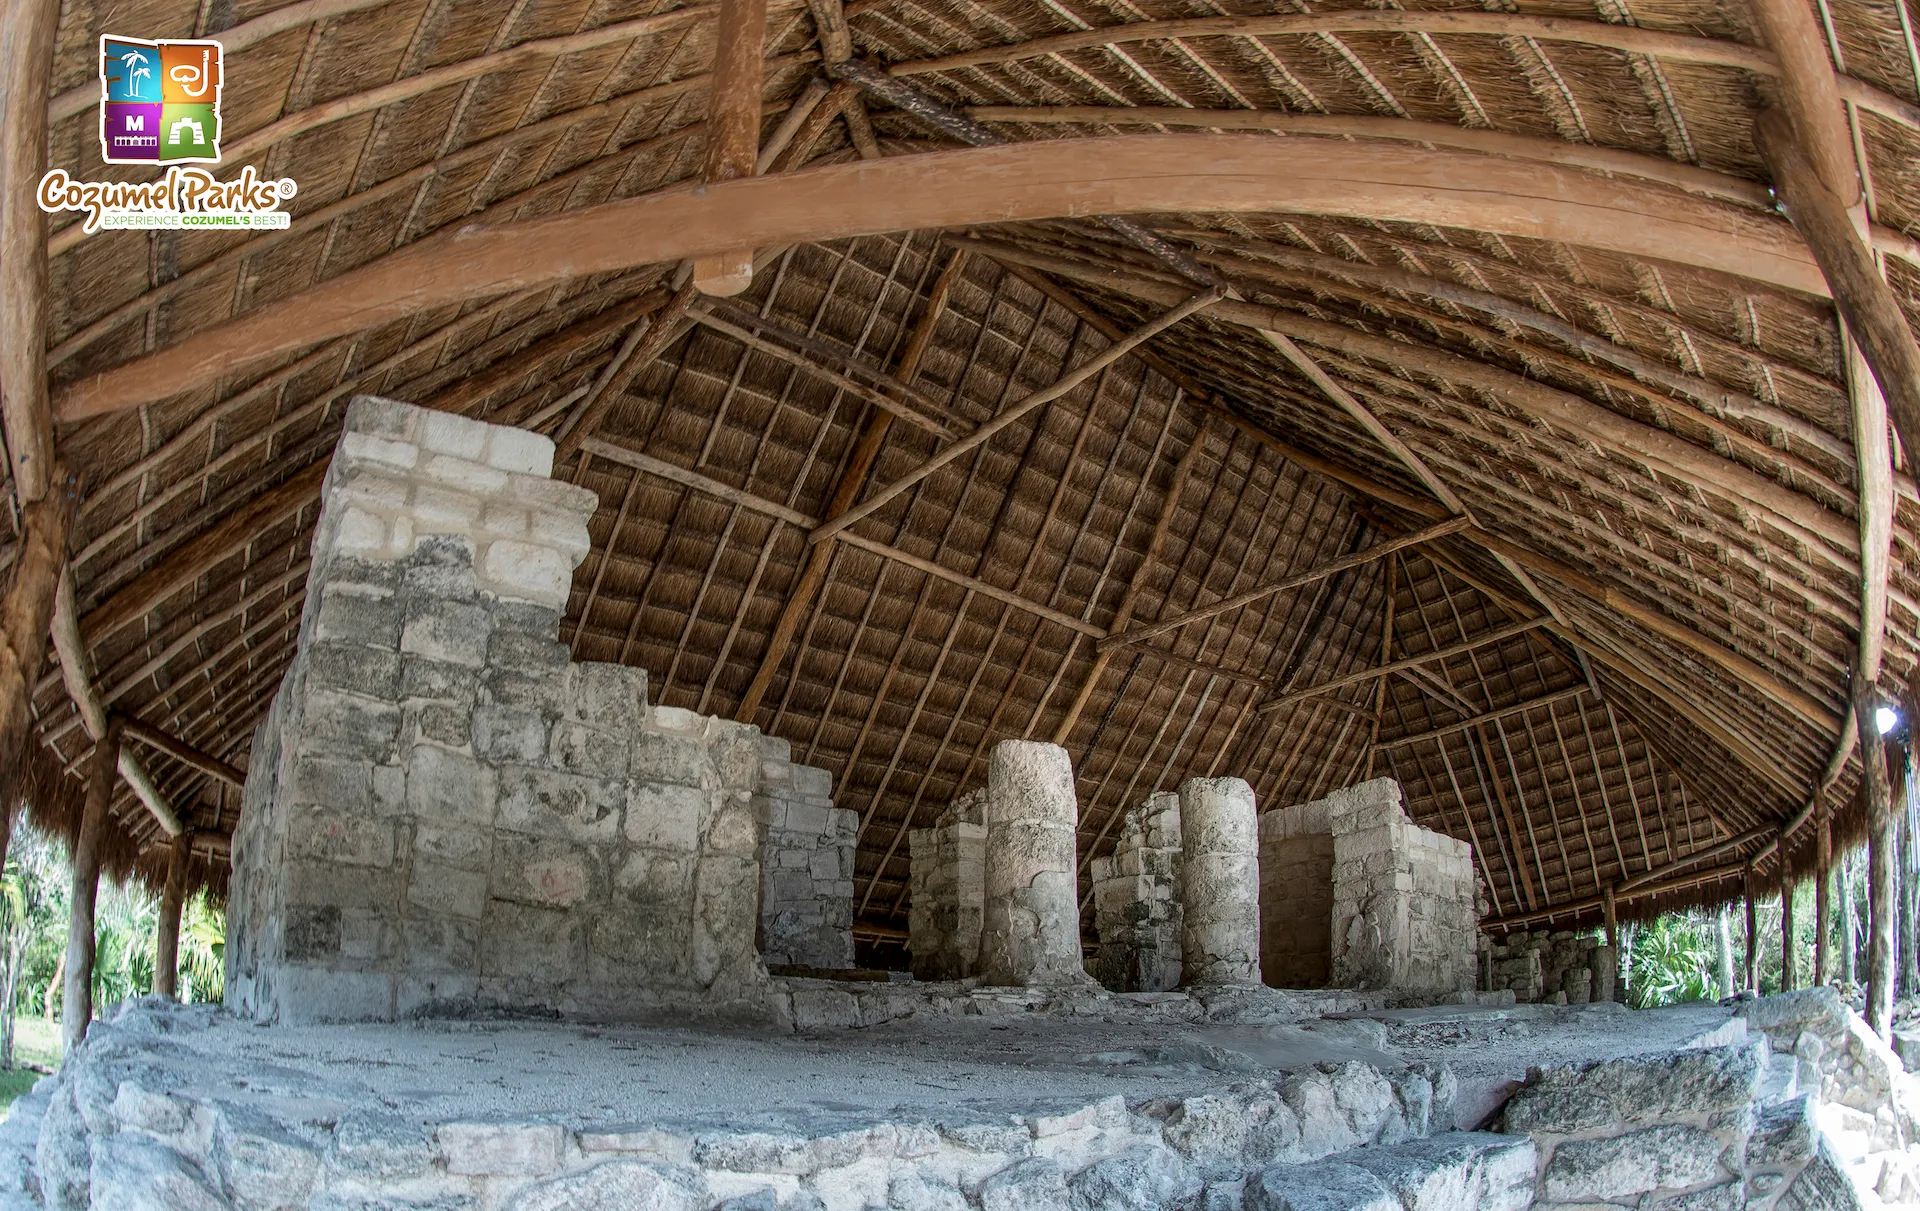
x: 1457, y: 1171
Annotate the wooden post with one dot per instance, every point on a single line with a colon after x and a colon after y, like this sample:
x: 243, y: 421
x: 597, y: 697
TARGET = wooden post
x: 813, y: 574
x: 1789, y: 958
x: 166, y: 940
x: 1609, y: 917
x: 26, y: 412
x: 25, y: 613
x: 1823, y: 898
x: 733, y: 128
x: 1879, y: 813
x: 1860, y: 294
x: 1752, y: 982
x: 77, y: 1004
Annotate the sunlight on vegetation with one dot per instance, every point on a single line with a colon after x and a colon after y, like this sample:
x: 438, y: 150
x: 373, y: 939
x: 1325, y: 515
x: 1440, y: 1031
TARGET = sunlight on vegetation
x: 35, y: 891
x: 1672, y: 960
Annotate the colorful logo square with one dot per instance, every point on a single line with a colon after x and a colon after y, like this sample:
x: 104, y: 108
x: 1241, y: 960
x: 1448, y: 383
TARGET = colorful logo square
x: 190, y: 73
x: 160, y: 101
x: 130, y: 70
x: 130, y: 131
x: 190, y: 132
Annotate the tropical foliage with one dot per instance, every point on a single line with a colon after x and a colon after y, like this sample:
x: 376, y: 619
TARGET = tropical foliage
x: 35, y: 891
x: 1672, y: 959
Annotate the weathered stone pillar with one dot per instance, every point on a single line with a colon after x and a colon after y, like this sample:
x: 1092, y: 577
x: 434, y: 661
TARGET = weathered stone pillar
x: 1220, y: 883
x: 1031, y: 931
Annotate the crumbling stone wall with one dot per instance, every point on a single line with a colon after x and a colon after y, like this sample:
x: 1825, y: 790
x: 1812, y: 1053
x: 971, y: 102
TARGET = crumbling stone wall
x: 1220, y: 883
x: 1686, y: 1129
x: 806, y: 896
x: 1558, y: 967
x: 1405, y: 899
x: 443, y: 812
x: 1136, y: 900
x: 947, y: 883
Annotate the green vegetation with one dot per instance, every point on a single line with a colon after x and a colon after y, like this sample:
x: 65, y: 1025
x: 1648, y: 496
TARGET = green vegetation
x: 35, y: 891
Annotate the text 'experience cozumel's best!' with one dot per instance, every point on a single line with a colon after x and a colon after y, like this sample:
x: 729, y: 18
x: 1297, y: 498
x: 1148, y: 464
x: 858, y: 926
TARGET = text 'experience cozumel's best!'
x: 160, y: 106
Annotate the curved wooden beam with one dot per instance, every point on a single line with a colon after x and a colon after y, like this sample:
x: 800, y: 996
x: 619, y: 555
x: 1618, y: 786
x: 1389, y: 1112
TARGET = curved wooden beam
x: 1629, y: 39
x: 1139, y: 174
x: 1810, y: 92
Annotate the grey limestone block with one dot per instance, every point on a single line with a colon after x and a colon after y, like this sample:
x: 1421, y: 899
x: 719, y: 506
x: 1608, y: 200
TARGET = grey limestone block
x: 1030, y: 932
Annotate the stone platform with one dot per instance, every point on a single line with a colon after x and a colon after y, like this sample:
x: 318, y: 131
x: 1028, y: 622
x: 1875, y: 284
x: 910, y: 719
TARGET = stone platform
x: 1079, y: 1104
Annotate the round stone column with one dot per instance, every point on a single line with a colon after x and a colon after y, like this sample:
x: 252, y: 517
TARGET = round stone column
x: 1031, y: 929
x: 1220, y: 883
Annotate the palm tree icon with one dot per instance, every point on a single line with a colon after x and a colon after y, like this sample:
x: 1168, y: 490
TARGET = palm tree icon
x: 135, y: 62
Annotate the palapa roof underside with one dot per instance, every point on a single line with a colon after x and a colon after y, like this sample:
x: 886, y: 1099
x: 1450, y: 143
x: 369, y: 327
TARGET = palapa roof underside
x: 1657, y: 457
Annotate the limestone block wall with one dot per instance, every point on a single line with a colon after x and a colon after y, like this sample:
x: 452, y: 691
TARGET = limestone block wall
x: 1404, y: 901
x: 444, y: 812
x: 1558, y: 967
x: 806, y: 895
x: 947, y: 885
x: 1136, y: 900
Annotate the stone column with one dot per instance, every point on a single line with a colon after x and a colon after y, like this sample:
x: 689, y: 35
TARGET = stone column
x: 1220, y: 884
x: 1031, y: 931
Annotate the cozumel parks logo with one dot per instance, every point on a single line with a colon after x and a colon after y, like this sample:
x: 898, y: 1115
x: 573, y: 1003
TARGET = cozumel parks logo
x: 160, y: 106
x: 160, y: 101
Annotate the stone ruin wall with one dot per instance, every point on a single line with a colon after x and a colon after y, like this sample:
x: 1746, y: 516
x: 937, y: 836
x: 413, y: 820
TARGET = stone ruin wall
x: 1296, y: 900
x: 1136, y: 900
x: 806, y: 891
x: 947, y: 883
x: 444, y: 813
x: 1406, y: 903
x: 1557, y: 967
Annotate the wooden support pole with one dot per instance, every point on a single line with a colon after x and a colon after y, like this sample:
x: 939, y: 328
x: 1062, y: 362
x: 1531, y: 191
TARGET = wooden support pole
x: 1013, y: 412
x: 26, y: 70
x: 1103, y: 656
x: 1860, y: 293
x: 1809, y: 92
x: 1752, y: 974
x: 1610, y: 919
x: 186, y: 753
x: 1823, y: 898
x: 1880, y: 907
x: 813, y: 574
x: 166, y: 939
x: 1789, y: 955
x: 25, y: 613
x: 733, y: 128
x: 77, y: 1003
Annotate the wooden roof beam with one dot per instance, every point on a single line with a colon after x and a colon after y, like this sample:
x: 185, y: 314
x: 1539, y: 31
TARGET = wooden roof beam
x: 1499, y: 712
x: 1497, y: 635
x: 1056, y: 178
x: 733, y: 129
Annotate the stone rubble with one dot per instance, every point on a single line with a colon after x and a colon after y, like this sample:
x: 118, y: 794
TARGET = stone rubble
x: 1136, y: 900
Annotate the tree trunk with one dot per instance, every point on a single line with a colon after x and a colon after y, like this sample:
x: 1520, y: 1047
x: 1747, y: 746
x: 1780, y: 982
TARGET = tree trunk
x: 1724, y: 933
x: 77, y: 1009
x: 1822, y: 898
x: 1880, y: 908
x: 1789, y: 959
x: 1849, y: 927
x: 166, y: 938
x: 1752, y: 973
x: 1903, y: 983
x: 54, y: 986
x: 25, y: 612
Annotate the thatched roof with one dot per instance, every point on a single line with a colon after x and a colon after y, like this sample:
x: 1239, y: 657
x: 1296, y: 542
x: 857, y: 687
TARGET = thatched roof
x: 1655, y: 450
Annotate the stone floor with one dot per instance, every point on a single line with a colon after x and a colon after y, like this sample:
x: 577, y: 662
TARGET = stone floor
x: 990, y: 1099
